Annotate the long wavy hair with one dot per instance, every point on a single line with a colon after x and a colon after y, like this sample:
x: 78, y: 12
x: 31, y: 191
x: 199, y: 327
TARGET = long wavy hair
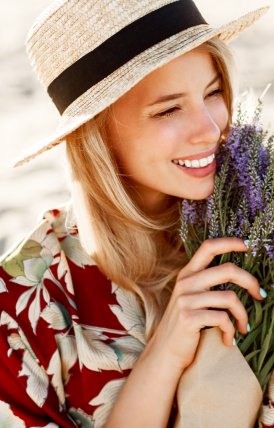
x: 139, y: 253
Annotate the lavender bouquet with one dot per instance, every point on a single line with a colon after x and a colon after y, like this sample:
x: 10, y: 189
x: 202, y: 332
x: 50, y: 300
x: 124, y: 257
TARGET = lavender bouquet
x: 242, y: 205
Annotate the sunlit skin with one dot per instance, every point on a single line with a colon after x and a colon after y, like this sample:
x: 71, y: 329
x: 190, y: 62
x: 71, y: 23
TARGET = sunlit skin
x: 144, y: 142
x: 146, y: 137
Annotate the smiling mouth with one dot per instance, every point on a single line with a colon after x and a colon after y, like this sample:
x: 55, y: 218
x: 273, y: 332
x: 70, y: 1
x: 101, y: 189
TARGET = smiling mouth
x: 195, y: 163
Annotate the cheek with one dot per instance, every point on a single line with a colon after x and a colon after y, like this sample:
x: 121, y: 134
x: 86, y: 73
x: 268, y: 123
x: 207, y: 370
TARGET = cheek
x: 220, y: 115
x: 164, y: 135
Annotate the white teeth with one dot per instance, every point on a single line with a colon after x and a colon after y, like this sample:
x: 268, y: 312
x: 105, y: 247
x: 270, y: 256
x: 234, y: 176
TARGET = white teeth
x: 203, y: 162
x: 195, y: 163
x: 211, y: 158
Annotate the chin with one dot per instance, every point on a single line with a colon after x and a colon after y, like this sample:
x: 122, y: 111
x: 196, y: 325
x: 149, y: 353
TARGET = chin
x: 200, y: 194
x: 200, y: 198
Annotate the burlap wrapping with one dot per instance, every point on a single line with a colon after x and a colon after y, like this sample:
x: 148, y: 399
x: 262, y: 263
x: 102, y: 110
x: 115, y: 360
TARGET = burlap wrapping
x: 219, y: 389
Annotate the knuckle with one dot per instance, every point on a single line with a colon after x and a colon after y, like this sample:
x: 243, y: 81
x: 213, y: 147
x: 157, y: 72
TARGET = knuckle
x: 223, y: 317
x: 180, y: 302
x: 182, y: 275
x: 185, y: 319
x: 207, y: 245
x: 232, y: 296
x: 180, y: 279
x: 179, y: 282
x: 183, y: 286
x: 231, y: 268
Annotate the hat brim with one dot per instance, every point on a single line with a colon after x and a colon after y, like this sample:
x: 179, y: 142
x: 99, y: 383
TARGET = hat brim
x: 106, y: 92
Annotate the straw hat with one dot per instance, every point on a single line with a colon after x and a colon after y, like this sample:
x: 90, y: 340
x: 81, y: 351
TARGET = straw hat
x: 88, y: 53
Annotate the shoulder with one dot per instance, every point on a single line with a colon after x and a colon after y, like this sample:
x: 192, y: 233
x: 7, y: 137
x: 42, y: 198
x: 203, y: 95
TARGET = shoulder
x: 52, y: 238
x: 37, y: 271
x: 50, y: 272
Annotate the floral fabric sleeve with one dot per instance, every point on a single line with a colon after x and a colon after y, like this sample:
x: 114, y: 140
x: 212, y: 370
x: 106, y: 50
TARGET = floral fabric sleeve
x: 69, y: 336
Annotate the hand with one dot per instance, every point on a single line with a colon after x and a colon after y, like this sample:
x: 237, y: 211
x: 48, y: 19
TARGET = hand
x: 177, y: 335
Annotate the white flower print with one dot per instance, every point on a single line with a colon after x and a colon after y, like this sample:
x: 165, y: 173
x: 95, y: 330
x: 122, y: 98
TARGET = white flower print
x: 128, y: 350
x: 50, y: 425
x: 93, y: 353
x: 16, y: 340
x: 3, y: 287
x: 63, y: 270
x: 55, y: 369
x: 8, y: 418
x: 58, y: 221
x: 6, y: 319
x: 37, y: 382
x: 105, y: 400
x: 129, y: 313
x: 36, y: 270
x: 39, y: 234
x: 57, y: 316
x: 82, y: 419
x: 68, y: 353
x: 75, y: 252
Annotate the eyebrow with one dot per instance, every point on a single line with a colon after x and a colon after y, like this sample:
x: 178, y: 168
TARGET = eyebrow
x: 171, y: 97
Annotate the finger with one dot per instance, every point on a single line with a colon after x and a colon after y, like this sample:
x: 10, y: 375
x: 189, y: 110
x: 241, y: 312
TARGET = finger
x: 209, y: 249
x: 219, y: 299
x: 227, y: 272
x: 205, y: 318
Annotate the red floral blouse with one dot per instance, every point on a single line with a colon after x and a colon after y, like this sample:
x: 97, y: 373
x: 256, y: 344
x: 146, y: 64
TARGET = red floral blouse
x: 69, y: 336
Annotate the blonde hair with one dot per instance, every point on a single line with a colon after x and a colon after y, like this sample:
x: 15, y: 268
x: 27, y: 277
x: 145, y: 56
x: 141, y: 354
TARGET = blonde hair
x: 121, y: 239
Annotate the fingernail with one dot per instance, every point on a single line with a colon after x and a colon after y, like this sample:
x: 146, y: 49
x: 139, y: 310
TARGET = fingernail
x: 234, y: 341
x: 263, y: 293
x: 248, y: 327
x: 247, y: 243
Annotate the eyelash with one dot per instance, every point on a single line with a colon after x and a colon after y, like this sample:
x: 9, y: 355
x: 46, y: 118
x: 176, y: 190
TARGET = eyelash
x: 216, y: 92
x: 173, y: 110
x: 167, y: 113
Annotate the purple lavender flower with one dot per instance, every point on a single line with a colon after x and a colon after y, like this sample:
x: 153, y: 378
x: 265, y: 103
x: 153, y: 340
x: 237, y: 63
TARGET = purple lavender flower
x: 189, y: 211
x: 242, y: 202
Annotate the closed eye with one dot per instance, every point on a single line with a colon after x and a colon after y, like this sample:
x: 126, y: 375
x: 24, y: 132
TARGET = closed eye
x: 216, y: 92
x: 167, y: 113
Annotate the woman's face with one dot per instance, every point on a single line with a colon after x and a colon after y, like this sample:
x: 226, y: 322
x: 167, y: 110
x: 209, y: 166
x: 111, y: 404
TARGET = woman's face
x: 175, y: 115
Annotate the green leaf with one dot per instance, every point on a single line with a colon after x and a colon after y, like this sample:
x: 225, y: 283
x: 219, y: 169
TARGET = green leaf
x: 266, y: 345
x: 258, y: 313
x: 249, y: 357
x: 249, y: 340
x: 13, y: 264
x: 264, y: 375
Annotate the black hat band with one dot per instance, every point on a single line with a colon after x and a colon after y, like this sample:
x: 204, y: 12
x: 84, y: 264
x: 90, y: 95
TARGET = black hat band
x: 121, y: 48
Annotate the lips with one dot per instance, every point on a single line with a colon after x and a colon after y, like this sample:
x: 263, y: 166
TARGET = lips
x: 200, y: 165
x: 198, y: 172
x: 194, y: 157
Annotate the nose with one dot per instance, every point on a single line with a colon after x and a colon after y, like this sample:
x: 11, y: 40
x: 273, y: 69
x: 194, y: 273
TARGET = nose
x: 205, y: 128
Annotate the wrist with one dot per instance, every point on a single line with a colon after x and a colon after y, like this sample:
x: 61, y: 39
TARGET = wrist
x: 161, y: 363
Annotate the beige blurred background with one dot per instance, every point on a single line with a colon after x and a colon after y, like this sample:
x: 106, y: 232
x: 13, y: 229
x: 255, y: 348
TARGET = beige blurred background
x: 27, y: 114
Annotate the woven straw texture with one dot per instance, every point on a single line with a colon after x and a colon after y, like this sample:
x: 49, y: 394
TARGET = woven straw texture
x: 88, y: 24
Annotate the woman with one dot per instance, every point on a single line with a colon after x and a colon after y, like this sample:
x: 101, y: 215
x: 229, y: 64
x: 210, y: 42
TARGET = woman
x: 100, y: 313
